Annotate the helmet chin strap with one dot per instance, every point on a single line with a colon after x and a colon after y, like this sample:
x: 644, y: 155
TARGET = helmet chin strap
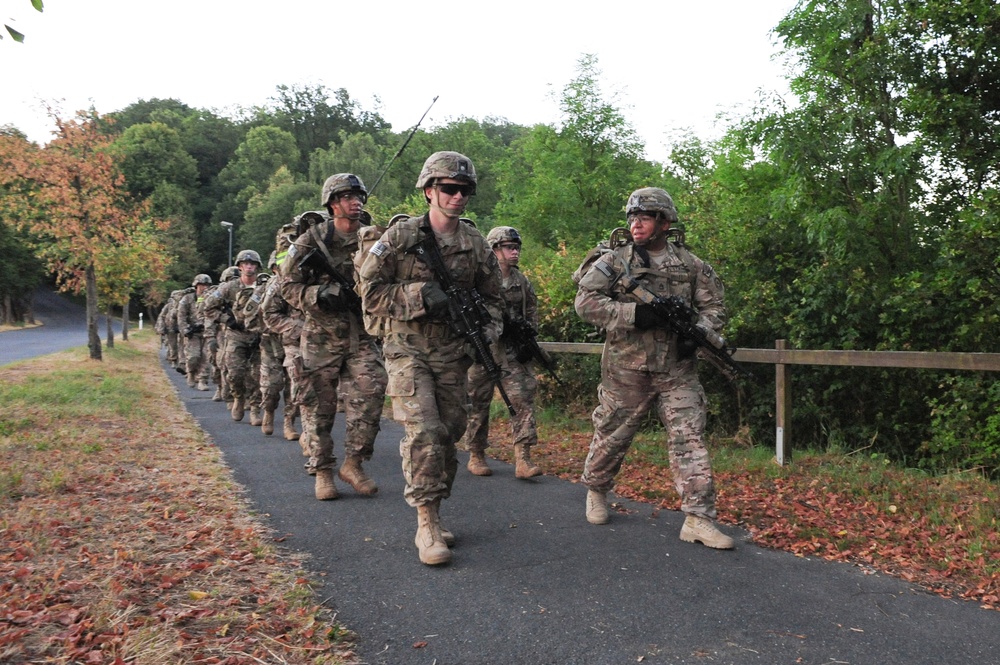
x: 450, y: 214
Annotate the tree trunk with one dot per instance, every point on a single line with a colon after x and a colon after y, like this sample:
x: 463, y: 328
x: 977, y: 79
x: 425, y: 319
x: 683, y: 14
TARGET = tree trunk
x: 125, y: 321
x: 7, y: 310
x: 110, y: 318
x: 93, y: 338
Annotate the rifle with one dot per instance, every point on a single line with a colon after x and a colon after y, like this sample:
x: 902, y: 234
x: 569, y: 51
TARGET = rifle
x: 682, y: 320
x: 319, y: 260
x: 402, y: 147
x: 467, y: 313
x: 524, y: 338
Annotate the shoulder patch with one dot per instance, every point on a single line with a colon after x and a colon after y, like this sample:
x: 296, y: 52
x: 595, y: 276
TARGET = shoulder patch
x: 292, y: 253
x: 379, y: 248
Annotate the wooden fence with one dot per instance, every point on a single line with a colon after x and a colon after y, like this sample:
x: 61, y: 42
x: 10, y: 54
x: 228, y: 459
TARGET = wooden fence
x: 781, y: 357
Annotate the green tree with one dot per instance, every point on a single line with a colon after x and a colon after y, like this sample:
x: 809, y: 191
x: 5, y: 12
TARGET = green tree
x: 277, y: 205
x: 152, y: 154
x: 570, y: 183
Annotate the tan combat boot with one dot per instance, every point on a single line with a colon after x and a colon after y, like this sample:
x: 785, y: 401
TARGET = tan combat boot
x: 477, y: 464
x: 217, y: 397
x: 267, y: 424
x: 597, y: 507
x: 256, y: 419
x: 352, y: 474
x: 430, y: 543
x: 202, y: 386
x: 290, y: 433
x: 702, y: 530
x: 523, y: 467
x: 237, y: 410
x: 325, y: 488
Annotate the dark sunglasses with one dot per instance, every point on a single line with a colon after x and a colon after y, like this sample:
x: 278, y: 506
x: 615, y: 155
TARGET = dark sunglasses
x: 451, y: 189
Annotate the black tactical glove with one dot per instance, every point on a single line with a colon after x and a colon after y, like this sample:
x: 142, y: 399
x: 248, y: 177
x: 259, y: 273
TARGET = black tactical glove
x: 686, y: 348
x: 435, y: 299
x: 330, y: 301
x: 233, y: 324
x: 645, y: 317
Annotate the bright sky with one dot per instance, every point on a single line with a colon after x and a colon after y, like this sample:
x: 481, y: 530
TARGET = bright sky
x: 674, y: 64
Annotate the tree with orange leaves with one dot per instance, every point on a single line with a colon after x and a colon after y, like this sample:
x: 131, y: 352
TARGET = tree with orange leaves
x: 71, y: 198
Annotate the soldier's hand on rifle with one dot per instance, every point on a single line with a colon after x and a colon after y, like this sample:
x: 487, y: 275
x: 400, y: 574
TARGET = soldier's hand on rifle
x: 332, y: 298
x: 435, y: 299
x: 233, y: 324
x: 645, y: 317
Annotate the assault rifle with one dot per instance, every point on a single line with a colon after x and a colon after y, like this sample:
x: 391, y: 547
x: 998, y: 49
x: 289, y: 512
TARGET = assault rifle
x: 467, y: 313
x: 321, y: 263
x: 523, y: 337
x: 682, y: 320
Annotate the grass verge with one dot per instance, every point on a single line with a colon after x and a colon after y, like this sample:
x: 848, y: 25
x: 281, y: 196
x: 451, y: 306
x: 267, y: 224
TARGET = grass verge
x: 125, y: 537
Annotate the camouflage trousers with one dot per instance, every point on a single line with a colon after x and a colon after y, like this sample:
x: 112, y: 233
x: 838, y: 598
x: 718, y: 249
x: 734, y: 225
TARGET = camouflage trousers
x: 273, y: 379
x: 196, y: 358
x: 360, y: 378
x: 171, y: 341
x: 427, y: 383
x: 521, y: 385
x: 217, y: 376
x: 241, y: 366
x: 292, y: 365
x: 625, y: 397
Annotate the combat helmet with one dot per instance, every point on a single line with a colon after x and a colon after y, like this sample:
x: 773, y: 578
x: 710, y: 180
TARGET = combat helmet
x: 652, y: 199
x: 342, y: 182
x: 201, y: 278
x: 447, y: 164
x: 502, y: 234
x: 232, y: 272
x: 248, y: 255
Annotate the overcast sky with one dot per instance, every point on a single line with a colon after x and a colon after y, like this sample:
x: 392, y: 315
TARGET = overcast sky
x: 675, y: 64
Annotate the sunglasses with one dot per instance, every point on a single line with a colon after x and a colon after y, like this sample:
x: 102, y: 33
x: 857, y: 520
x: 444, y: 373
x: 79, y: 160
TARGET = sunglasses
x: 451, y: 189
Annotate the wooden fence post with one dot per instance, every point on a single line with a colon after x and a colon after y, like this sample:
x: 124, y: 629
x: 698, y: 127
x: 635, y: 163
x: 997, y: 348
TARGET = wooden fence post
x: 783, y: 409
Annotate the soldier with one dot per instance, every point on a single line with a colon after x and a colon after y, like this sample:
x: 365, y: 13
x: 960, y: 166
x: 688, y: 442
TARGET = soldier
x: 178, y: 326
x: 166, y: 325
x: 241, y: 358
x: 339, y: 358
x: 644, y: 365
x: 191, y: 322
x: 520, y: 304
x: 273, y: 379
x: 218, y: 345
x: 287, y: 322
x: 427, y: 360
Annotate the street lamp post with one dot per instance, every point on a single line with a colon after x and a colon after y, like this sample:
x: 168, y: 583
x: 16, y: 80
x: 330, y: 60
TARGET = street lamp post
x: 229, y: 227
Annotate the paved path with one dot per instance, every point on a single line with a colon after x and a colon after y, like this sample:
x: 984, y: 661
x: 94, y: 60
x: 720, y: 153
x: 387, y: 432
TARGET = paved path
x: 64, y: 326
x: 532, y: 582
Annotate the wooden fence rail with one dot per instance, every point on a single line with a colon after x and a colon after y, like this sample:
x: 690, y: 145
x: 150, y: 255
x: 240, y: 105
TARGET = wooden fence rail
x: 781, y: 357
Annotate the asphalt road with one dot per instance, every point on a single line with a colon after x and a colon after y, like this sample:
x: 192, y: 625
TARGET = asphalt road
x: 64, y: 326
x: 532, y: 582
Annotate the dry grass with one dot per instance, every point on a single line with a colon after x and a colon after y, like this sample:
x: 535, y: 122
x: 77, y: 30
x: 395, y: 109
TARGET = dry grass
x: 126, y: 539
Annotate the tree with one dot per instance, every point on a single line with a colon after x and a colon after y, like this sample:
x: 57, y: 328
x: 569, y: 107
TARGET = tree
x: 72, y: 199
x: 151, y: 154
x: 269, y: 210
x: 569, y: 184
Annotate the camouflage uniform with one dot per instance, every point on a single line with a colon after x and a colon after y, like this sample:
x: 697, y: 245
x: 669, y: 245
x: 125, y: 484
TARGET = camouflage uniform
x: 179, y: 327
x: 520, y: 302
x: 641, y: 368
x: 287, y: 322
x: 338, y: 357
x: 241, y: 356
x: 427, y: 361
x: 191, y: 322
x: 166, y: 325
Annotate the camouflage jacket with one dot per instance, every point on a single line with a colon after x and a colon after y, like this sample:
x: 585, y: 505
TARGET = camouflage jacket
x: 190, y: 311
x: 391, y: 278
x: 280, y: 317
x: 236, y: 295
x: 302, y: 284
x: 603, y: 299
